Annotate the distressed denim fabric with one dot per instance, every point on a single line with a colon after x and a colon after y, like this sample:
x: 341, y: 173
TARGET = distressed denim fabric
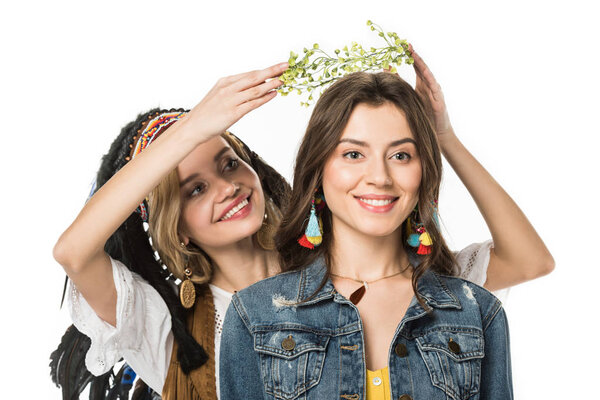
x: 274, y: 348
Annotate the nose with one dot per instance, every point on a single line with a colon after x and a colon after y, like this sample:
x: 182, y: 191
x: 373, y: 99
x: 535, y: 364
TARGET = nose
x: 377, y: 173
x: 227, y: 190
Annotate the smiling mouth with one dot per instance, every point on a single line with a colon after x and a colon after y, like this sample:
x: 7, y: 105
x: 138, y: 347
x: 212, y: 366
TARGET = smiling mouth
x: 238, y: 207
x: 377, y: 203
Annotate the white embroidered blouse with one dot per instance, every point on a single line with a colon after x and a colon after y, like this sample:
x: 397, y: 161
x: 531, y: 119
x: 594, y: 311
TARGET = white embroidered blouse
x: 143, y: 334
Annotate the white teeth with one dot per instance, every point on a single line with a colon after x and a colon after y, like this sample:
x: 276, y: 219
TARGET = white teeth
x: 373, y: 202
x: 235, y: 209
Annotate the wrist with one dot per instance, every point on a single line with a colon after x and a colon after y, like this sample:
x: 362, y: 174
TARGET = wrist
x: 447, y: 138
x: 188, y: 131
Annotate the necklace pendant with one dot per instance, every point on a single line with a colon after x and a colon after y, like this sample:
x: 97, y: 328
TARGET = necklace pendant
x: 358, y: 294
x: 187, y: 293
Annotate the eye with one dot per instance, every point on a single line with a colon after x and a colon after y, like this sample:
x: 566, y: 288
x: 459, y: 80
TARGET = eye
x: 353, y: 155
x: 198, y: 189
x: 401, y: 156
x: 232, y: 164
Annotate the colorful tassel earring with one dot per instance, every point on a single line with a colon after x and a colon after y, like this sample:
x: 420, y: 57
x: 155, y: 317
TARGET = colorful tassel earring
x: 421, y: 239
x: 313, y: 235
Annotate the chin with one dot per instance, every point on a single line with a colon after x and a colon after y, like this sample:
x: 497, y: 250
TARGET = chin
x: 376, y: 228
x: 232, y: 232
x: 248, y: 227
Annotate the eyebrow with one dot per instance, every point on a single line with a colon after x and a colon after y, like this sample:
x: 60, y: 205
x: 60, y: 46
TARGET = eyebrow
x: 365, y: 144
x: 187, y: 180
x: 195, y: 175
x: 220, y: 153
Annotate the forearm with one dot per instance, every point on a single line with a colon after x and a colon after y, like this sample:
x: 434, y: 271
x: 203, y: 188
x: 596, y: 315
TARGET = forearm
x: 84, y: 239
x: 519, y: 254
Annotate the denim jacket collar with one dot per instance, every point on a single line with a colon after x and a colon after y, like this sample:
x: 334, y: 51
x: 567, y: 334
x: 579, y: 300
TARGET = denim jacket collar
x: 433, y: 290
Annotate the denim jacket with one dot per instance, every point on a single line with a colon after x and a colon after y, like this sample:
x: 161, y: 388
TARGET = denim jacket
x: 274, y: 348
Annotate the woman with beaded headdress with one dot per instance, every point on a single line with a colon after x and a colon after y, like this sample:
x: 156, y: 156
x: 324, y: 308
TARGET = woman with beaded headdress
x: 138, y: 316
x: 210, y: 206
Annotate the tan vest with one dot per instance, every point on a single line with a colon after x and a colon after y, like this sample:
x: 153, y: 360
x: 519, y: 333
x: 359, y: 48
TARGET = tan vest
x: 200, y: 383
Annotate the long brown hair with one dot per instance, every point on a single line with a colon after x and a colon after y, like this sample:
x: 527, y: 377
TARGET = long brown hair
x: 323, y: 133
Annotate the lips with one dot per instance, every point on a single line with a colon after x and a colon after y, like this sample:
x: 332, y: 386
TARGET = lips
x: 376, y: 203
x: 238, y: 208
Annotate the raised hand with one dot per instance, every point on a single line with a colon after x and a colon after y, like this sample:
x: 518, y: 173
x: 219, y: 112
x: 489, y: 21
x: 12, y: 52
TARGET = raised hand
x: 430, y: 92
x: 232, y: 97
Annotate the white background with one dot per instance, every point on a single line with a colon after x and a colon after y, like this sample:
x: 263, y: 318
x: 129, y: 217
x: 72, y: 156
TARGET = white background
x: 521, y: 82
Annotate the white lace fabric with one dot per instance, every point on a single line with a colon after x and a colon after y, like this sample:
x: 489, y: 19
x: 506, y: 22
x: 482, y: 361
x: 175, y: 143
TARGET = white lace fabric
x: 142, y: 335
x: 473, y: 262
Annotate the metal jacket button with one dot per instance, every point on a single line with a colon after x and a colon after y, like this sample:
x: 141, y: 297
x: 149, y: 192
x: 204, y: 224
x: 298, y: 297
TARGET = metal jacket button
x: 453, y: 346
x: 405, y: 397
x: 401, y: 350
x: 288, y: 343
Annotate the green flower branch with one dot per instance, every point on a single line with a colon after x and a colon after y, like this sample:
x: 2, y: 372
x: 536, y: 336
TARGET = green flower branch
x: 316, y: 69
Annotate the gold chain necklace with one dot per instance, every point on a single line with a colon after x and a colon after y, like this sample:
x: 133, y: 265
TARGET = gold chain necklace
x: 358, y: 294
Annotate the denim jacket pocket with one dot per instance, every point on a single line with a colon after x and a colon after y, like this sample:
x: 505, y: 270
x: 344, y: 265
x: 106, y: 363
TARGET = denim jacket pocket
x: 453, y: 357
x: 291, y: 360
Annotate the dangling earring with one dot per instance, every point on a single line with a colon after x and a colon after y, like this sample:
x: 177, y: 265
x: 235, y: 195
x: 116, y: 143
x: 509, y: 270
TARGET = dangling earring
x: 187, y: 290
x: 265, y: 234
x: 313, y: 235
x: 421, y: 239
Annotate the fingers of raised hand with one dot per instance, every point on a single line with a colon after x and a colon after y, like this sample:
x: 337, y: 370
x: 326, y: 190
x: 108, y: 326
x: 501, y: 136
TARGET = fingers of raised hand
x: 255, y: 96
x: 425, y: 73
x: 250, y: 105
x: 254, y: 78
x: 239, y: 82
x: 257, y: 91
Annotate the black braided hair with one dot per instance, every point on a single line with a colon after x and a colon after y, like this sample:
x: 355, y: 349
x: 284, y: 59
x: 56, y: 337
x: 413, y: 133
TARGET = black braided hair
x: 130, y: 245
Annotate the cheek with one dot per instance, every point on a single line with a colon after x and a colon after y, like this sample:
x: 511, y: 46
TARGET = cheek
x: 195, y: 216
x: 246, y: 175
x: 339, y: 178
x: 410, y: 179
x: 407, y: 177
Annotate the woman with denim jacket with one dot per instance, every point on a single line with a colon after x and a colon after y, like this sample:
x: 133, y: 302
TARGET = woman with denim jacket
x: 364, y: 314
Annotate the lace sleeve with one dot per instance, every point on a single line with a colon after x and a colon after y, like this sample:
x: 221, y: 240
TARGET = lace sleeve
x: 143, y: 333
x: 473, y: 260
x: 472, y: 263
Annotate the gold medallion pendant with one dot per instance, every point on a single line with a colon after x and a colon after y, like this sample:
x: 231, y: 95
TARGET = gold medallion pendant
x: 187, y: 291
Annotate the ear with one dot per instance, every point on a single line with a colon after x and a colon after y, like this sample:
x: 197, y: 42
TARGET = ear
x: 183, y: 239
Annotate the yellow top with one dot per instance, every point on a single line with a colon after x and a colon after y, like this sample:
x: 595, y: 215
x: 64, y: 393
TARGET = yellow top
x: 378, y: 384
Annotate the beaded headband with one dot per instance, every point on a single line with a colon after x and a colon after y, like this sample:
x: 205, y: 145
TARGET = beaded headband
x: 152, y: 129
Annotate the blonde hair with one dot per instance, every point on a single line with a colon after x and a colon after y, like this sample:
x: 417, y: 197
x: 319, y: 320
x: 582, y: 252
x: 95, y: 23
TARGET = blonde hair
x: 164, y: 219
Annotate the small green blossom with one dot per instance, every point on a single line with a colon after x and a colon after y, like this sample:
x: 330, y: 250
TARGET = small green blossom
x: 316, y: 70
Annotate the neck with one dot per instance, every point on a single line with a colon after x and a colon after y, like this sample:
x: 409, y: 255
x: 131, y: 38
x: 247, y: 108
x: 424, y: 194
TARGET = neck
x: 364, y: 257
x: 241, y: 264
